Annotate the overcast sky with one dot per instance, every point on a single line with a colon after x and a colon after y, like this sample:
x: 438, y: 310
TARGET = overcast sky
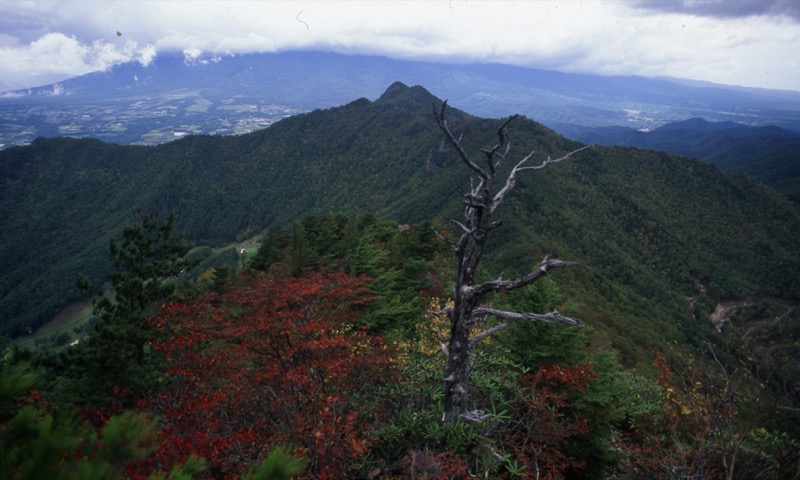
x: 737, y: 42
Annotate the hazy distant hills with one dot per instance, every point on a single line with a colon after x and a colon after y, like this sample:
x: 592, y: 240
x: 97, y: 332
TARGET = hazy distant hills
x: 170, y: 98
x: 647, y: 228
x: 770, y: 154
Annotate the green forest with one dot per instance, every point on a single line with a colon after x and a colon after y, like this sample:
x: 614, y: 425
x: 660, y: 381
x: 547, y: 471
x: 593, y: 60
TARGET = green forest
x: 271, y: 306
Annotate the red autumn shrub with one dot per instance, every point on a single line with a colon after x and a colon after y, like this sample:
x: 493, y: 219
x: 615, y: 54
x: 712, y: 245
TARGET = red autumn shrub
x: 545, y: 418
x: 275, y: 361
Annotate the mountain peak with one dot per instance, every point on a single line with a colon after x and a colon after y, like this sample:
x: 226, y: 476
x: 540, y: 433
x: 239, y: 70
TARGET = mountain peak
x: 394, y: 90
x: 415, y: 97
x: 399, y: 90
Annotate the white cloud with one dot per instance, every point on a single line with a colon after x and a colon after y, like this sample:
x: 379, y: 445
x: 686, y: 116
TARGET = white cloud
x: 190, y: 55
x: 55, y: 57
x: 577, y: 36
x: 146, y: 55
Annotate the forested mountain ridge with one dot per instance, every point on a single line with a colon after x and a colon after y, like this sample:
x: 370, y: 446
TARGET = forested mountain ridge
x: 648, y: 229
x: 769, y: 153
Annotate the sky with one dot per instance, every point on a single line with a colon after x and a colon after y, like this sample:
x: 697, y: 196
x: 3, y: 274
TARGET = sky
x: 752, y: 43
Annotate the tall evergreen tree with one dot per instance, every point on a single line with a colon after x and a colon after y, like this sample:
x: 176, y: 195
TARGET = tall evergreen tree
x: 115, y: 354
x: 146, y: 262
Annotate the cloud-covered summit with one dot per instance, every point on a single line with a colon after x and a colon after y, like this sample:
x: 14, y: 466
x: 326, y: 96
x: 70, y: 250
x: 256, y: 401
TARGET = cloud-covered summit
x: 751, y: 43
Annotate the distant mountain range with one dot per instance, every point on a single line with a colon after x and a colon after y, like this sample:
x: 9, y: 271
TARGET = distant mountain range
x: 770, y: 154
x: 649, y: 230
x: 170, y: 98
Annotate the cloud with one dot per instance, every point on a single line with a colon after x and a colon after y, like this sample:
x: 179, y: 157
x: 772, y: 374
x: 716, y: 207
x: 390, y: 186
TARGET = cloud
x: 746, y: 42
x: 146, y: 55
x: 726, y: 8
x: 191, y: 55
x: 55, y: 56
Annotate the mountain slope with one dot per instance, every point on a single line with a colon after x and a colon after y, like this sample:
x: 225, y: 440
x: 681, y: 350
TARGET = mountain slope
x: 647, y: 228
x: 770, y: 154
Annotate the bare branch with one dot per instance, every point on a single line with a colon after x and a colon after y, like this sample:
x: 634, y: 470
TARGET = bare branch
x: 494, y: 225
x: 728, y: 377
x: 487, y: 445
x: 442, y: 122
x: 500, y: 284
x: 549, y: 160
x: 445, y: 311
x: 475, y: 190
x: 490, y: 153
x: 552, y: 317
x: 475, y: 416
x: 463, y: 227
x: 474, y: 205
x: 511, y: 181
x: 486, y: 333
x: 502, y: 156
x: 452, y: 244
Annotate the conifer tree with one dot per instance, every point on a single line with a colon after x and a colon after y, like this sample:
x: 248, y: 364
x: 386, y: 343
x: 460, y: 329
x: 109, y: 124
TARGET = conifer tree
x: 115, y: 356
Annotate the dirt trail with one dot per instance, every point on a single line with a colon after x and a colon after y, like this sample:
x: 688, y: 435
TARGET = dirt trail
x: 766, y: 322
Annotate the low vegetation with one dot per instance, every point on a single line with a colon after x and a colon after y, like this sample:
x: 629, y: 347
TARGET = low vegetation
x: 321, y: 359
x: 319, y: 355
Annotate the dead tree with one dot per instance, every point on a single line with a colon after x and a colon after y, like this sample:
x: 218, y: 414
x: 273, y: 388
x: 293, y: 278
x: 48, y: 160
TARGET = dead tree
x: 480, y: 203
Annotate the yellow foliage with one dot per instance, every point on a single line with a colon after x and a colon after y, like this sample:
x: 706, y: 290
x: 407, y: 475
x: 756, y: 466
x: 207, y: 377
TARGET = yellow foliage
x: 206, y: 279
x: 431, y: 332
x: 435, y: 330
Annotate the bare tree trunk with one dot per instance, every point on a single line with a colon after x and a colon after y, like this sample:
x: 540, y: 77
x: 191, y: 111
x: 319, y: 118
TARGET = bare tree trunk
x: 479, y: 205
x: 456, y: 381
